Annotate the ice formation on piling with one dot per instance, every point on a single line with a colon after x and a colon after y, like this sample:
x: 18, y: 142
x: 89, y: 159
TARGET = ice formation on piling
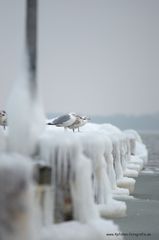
x: 16, y: 200
x: 94, y: 148
x: 25, y: 116
x: 63, y: 153
x: 97, y: 147
x: 116, y: 136
x: 138, y: 150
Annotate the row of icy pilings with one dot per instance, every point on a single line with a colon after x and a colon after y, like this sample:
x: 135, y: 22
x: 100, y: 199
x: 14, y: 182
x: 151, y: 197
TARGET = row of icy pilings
x: 84, y: 179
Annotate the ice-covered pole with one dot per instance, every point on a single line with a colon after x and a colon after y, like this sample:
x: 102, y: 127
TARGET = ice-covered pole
x: 26, y: 118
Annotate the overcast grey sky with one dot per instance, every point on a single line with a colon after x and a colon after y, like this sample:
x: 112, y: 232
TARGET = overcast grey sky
x: 95, y: 56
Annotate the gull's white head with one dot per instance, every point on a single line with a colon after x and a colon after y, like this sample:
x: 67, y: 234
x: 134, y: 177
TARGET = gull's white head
x: 86, y: 118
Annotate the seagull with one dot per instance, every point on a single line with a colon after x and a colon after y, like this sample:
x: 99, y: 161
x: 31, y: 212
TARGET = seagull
x: 64, y: 120
x: 3, y: 119
x: 80, y: 121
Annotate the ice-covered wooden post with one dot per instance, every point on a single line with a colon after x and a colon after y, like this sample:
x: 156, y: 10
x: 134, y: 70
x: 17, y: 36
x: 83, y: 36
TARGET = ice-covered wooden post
x: 17, y: 220
x: 31, y: 50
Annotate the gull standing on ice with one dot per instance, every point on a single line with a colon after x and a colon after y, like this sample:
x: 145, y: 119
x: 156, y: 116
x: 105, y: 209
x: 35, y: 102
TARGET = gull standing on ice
x: 3, y: 118
x: 64, y: 120
x: 80, y: 121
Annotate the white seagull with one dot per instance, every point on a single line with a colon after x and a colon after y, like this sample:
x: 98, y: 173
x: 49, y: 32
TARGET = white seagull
x: 64, y: 120
x: 80, y: 121
x: 3, y: 118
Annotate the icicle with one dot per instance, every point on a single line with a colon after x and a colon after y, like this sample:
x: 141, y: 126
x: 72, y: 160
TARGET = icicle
x: 116, y: 156
x: 94, y: 148
x: 82, y: 193
x: 139, y: 148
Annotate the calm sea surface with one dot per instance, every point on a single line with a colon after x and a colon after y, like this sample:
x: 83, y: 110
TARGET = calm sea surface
x: 151, y: 140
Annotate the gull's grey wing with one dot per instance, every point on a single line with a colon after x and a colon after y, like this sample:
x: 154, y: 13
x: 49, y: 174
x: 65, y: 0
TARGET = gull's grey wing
x: 61, y: 119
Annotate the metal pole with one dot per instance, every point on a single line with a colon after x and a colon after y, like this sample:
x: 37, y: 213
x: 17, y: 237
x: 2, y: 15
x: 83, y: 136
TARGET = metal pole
x: 31, y: 43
